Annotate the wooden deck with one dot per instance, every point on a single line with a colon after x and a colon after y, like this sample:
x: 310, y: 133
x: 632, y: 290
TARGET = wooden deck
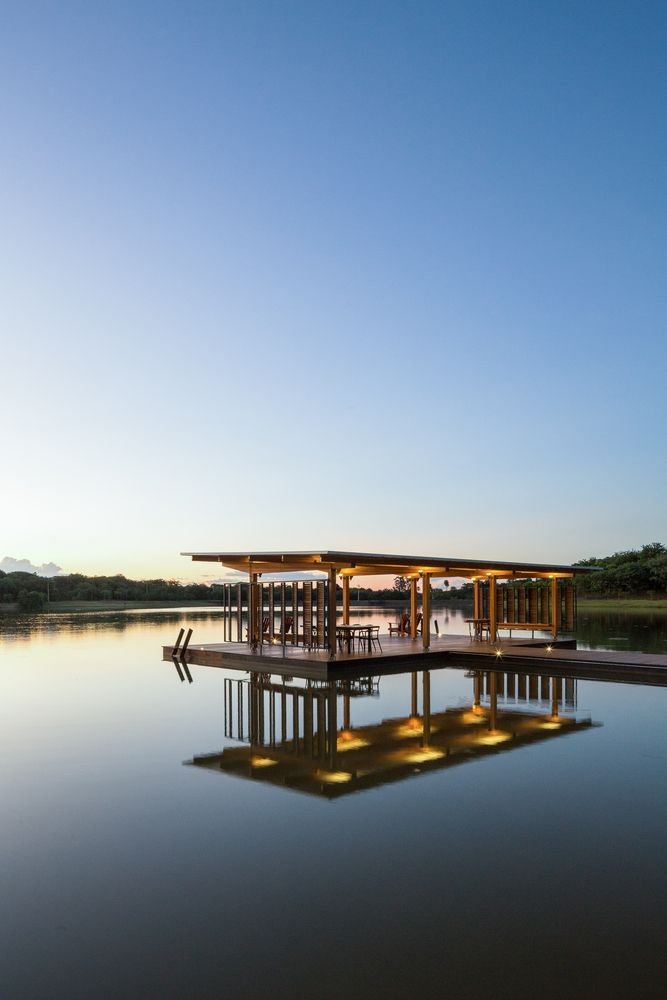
x: 400, y: 654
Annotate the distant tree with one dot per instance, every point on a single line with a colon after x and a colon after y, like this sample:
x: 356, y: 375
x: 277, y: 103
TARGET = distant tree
x: 30, y: 600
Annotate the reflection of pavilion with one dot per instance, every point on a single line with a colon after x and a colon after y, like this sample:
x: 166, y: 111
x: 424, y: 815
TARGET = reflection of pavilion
x: 291, y: 734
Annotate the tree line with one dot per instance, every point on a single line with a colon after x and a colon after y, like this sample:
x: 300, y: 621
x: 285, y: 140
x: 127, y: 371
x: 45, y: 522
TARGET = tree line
x: 634, y: 572
x: 32, y: 592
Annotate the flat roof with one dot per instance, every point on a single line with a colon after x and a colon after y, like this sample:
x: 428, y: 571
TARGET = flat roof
x: 379, y: 564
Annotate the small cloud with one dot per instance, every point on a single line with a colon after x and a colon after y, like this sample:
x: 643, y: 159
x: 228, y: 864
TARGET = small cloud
x: 229, y: 576
x: 10, y: 565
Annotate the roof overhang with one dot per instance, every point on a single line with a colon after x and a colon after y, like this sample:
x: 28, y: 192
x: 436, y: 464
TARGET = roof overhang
x: 381, y: 564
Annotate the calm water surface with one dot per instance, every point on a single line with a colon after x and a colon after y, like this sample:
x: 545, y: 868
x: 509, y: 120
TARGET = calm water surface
x: 144, y: 854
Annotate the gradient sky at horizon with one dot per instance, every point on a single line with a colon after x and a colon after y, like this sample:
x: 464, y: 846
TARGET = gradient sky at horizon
x: 374, y: 275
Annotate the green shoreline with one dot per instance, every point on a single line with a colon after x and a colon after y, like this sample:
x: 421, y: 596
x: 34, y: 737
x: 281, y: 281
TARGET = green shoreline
x: 621, y: 603
x: 59, y: 607
x: 634, y: 604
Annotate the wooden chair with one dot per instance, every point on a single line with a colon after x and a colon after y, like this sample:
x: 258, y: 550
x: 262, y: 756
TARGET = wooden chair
x: 289, y: 626
x: 403, y: 626
x: 266, y: 637
x: 374, y: 637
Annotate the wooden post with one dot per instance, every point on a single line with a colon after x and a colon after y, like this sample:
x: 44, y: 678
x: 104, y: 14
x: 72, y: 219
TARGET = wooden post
x: 492, y: 609
x: 252, y: 607
x: 413, y: 607
x: 426, y: 696
x: 308, y: 723
x: 477, y: 610
x: 333, y: 725
x: 295, y: 721
x: 554, y: 607
x: 493, y: 701
x: 426, y: 610
x: 346, y: 600
x: 332, y: 613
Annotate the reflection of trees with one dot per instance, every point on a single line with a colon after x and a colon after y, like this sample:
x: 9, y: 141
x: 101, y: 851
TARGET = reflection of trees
x: 103, y: 621
x: 643, y: 633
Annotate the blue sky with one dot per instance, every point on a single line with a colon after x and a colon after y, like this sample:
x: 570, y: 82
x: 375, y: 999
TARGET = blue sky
x: 378, y: 276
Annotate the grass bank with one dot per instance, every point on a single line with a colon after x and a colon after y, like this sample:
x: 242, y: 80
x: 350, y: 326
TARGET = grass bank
x: 58, y: 607
x: 621, y: 603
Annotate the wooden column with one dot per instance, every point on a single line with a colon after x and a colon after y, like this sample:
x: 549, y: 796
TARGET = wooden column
x: 308, y: 723
x: 346, y: 600
x: 554, y: 607
x: 295, y: 721
x: 333, y: 725
x: 426, y: 696
x: 413, y: 607
x: 252, y: 607
x: 493, y: 701
x: 492, y: 609
x: 426, y: 610
x: 477, y: 604
x: 331, y: 638
x: 346, y: 706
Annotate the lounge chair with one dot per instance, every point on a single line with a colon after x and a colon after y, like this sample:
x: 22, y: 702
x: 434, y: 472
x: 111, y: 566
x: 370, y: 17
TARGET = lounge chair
x: 402, y: 628
x: 289, y: 625
x: 266, y: 637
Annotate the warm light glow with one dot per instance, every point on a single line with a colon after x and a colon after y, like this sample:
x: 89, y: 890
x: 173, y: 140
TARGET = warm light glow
x: 349, y: 741
x: 411, y: 727
x: 549, y: 648
x: 333, y: 777
x: 550, y: 725
x: 492, y: 738
x: 473, y: 716
x: 262, y: 761
x: 499, y: 652
x: 420, y: 756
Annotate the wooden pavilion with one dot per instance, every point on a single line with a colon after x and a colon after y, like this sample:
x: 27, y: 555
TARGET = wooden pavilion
x: 519, y: 605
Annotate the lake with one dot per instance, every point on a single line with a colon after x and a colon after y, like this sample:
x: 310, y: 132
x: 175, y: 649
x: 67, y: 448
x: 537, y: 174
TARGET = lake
x: 148, y: 851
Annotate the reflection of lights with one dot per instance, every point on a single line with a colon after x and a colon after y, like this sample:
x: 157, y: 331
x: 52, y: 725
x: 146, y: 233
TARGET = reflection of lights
x: 549, y: 725
x: 333, y: 777
x: 419, y: 756
x: 349, y: 741
x: 491, y: 739
x: 411, y: 727
x: 473, y: 716
x: 262, y: 761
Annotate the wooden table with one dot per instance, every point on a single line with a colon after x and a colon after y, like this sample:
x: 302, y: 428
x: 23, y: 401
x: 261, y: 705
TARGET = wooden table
x: 477, y: 627
x: 346, y: 633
